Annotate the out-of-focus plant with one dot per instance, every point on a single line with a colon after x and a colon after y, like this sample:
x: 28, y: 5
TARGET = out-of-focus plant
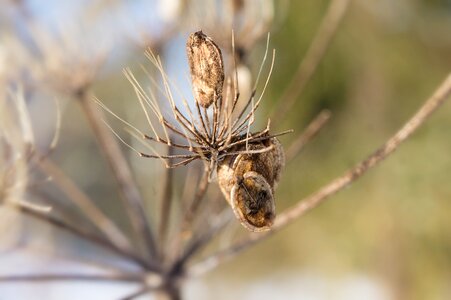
x: 166, y: 246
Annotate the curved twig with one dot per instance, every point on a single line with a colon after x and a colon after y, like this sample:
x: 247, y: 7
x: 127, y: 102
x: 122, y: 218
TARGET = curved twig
x: 86, y: 235
x: 312, y: 129
x: 132, y: 277
x: 130, y: 193
x: 86, y: 205
x: 310, y: 202
x: 329, y: 25
x: 165, y: 203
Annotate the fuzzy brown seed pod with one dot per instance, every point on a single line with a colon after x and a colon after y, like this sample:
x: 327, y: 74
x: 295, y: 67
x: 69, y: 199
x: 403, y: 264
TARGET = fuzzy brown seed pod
x: 248, y: 182
x: 206, y: 68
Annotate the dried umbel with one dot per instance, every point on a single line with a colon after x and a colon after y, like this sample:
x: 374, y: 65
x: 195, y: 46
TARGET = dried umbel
x: 206, y: 68
x: 248, y: 164
x: 18, y: 154
x: 248, y: 182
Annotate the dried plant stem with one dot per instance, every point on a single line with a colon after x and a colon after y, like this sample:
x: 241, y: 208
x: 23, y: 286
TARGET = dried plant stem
x: 132, y: 277
x: 79, y: 198
x: 129, y: 191
x: 142, y: 291
x: 189, y: 187
x: 329, y: 25
x: 89, y: 236
x: 169, y: 293
x: 28, y: 205
x: 199, y: 241
x: 169, y: 290
x: 310, y: 202
x: 191, y: 178
x: 312, y: 129
x: 165, y: 202
x: 198, y: 196
x: 159, y: 293
x: 185, y: 227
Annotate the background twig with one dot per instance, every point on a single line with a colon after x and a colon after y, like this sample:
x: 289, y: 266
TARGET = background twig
x: 127, y: 185
x: 310, y: 202
x: 84, y: 234
x: 73, y: 277
x: 79, y: 198
x: 315, y: 53
x: 165, y: 203
x: 312, y: 129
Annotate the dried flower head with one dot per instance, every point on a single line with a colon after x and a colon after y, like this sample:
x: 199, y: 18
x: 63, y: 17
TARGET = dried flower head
x: 248, y: 163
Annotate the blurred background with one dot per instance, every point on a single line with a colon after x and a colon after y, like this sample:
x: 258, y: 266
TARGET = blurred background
x: 387, y: 236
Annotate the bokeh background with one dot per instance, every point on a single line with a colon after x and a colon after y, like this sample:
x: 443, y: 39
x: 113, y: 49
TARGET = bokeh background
x: 387, y: 236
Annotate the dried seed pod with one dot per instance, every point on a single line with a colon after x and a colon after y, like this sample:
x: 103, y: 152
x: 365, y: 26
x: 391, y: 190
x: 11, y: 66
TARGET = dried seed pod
x: 252, y: 201
x: 206, y: 68
x: 248, y: 182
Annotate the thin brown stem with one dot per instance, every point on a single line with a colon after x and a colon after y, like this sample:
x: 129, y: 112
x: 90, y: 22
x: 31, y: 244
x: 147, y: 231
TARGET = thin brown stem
x: 86, y: 205
x: 86, y: 235
x: 312, y: 129
x: 215, y: 118
x: 250, y: 116
x: 168, y: 292
x: 189, y: 213
x: 169, y: 126
x: 191, y: 178
x: 132, y: 277
x: 184, y: 162
x: 181, y: 119
x: 171, y: 143
x: 198, y: 196
x: 142, y: 291
x: 327, y: 30
x: 132, y: 199
x: 440, y: 95
x: 202, y: 121
x: 167, y: 156
x: 200, y: 241
x: 162, y: 292
x: 209, y: 125
x: 165, y: 203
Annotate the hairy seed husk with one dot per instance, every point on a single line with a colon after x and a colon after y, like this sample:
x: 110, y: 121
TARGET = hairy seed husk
x: 206, y: 68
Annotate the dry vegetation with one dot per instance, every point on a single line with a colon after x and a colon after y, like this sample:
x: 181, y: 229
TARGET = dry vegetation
x: 160, y: 239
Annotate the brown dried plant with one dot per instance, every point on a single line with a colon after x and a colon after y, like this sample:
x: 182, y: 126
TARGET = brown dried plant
x: 247, y: 164
x: 18, y: 153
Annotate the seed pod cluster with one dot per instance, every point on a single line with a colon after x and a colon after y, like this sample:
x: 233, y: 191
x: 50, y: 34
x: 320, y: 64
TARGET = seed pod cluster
x: 248, y: 182
x: 247, y: 163
x: 206, y: 68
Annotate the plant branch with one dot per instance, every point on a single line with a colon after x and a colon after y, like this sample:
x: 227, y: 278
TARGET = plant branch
x: 79, y: 198
x: 129, y: 191
x: 189, y: 213
x: 86, y: 235
x: 198, y: 196
x: 327, y: 29
x: 142, y: 291
x: 312, y: 129
x: 441, y: 94
x: 165, y: 202
x: 197, y: 243
x: 132, y: 277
